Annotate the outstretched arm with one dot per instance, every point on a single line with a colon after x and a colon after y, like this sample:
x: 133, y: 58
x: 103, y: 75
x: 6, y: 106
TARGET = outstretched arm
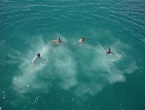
x: 116, y: 54
x: 33, y: 61
x: 80, y: 40
x: 53, y: 40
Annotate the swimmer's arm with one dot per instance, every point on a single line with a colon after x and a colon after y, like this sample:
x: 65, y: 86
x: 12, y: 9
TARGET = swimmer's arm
x: 80, y: 40
x: 32, y: 63
x: 116, y: 54
x: 53, y: 40
x: 34, y: 60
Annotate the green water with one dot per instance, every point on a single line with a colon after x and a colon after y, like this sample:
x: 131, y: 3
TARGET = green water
x: 72, y: 75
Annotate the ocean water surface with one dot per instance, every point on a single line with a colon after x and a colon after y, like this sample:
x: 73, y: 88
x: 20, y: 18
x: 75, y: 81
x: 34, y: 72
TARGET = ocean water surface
x: 72, y: 75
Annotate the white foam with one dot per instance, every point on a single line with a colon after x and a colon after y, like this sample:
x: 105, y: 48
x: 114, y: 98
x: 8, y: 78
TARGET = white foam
x: 84, y: 68
x: 27, y: 80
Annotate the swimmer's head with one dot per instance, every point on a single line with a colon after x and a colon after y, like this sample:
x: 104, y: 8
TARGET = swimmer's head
x: 58, y: 39
x: 38, y: 54
x: 109, y: 49
x: 83, y: 38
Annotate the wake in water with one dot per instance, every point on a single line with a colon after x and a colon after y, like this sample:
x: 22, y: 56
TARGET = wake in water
x: 83, y: 68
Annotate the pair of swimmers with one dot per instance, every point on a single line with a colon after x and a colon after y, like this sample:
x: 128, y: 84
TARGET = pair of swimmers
x: 59, y: 41
x: 107, y: 51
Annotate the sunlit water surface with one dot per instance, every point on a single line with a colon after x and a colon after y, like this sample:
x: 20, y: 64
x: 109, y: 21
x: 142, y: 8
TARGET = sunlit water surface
x: 72, y: 75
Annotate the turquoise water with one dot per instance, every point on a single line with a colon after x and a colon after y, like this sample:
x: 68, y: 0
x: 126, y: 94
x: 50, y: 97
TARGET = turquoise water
x: 72, y: 75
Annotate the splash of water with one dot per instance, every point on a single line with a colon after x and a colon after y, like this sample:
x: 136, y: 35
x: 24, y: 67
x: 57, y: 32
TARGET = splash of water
x: 84, y: 68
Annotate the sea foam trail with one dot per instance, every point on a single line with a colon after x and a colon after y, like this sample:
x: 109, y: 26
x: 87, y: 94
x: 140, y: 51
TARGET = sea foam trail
x: 84, y: 68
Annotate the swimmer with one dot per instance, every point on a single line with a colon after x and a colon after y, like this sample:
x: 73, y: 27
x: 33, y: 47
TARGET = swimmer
x: 57, y: 41
x: 37, y: 57
x: 82, y: 39
x: 109, y: 51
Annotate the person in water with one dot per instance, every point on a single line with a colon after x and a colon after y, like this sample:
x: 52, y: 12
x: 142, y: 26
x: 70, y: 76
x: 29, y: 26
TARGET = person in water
x: 109, y: 51
x: 82, y: 39
x: 57, y: 41
x: 37, y: 57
